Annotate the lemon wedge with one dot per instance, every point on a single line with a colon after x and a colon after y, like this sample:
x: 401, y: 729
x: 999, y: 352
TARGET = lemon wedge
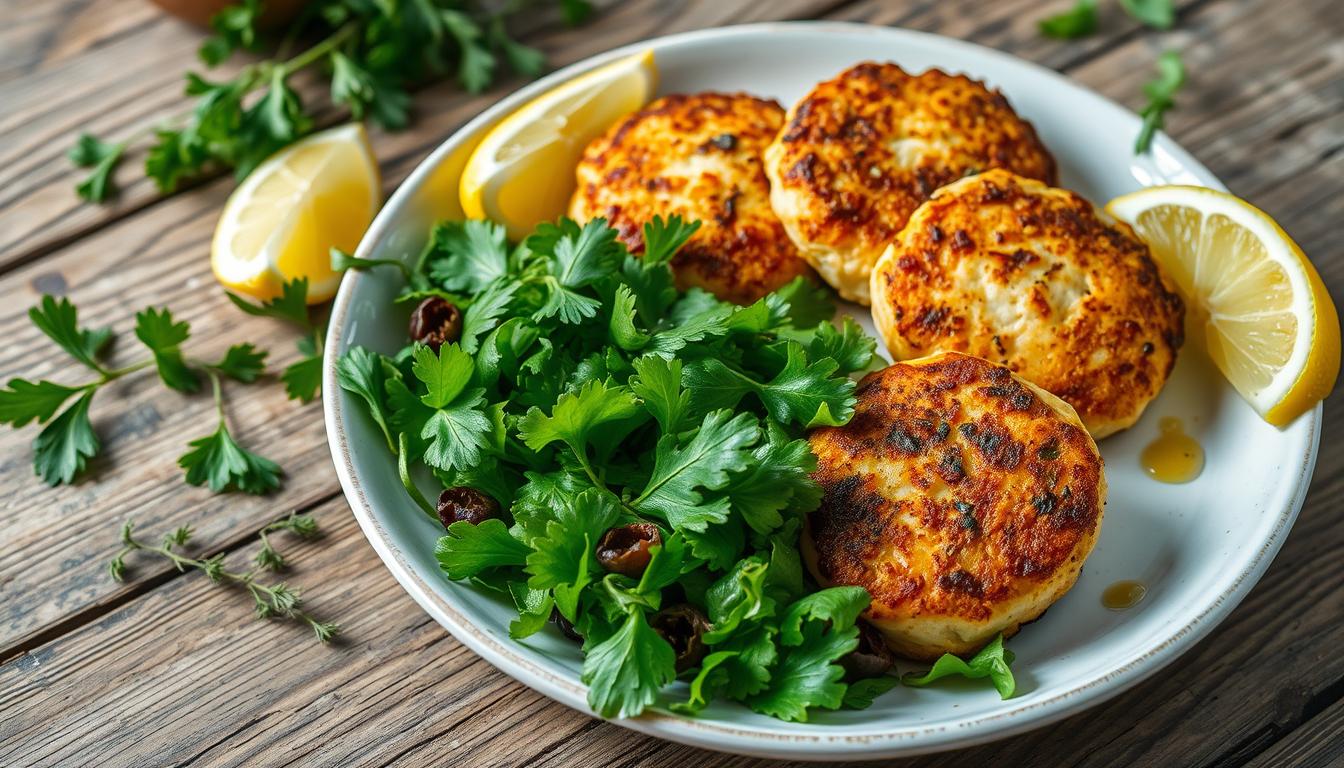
x: 283, y: 220
x: 522, y: 172
x: 1266, y: 317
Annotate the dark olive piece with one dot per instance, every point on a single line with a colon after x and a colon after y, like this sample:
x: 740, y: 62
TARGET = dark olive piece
x: 436, y: 322
x: 466, y: 504
x: 566, y: 628
x: 871, y: 659
x: 625, y: 548
x: 682, y: 626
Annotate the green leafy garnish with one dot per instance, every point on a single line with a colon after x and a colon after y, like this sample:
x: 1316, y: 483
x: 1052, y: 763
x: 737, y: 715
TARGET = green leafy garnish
x: 1160, y: 14
x: 303, y: 378
x: 993, y: 662
x: 374, y: 51
x: 1161, y: 93
x: 1078, y: 21
x: 586, y: 393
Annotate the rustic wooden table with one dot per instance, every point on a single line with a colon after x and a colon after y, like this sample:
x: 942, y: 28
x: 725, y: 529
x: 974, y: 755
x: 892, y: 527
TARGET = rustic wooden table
x: 167, y: 669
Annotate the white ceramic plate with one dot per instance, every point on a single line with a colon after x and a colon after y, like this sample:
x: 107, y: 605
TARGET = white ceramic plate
x: 1199, y: 547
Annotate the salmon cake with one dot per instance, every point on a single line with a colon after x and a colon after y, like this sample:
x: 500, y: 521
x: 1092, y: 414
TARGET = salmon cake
x: 962, y: 497
x: 697, y: 156
x: 1039, y: 279
x: 860, y: 153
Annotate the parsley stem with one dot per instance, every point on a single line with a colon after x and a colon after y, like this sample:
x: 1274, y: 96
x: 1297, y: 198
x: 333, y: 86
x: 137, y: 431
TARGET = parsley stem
x: 117, y: 373
x: 317, y: 52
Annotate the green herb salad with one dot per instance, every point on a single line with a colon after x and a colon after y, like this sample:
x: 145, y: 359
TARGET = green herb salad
x: 628, y: 461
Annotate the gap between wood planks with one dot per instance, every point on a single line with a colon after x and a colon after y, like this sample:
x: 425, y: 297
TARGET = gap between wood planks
x: 1236, y: 755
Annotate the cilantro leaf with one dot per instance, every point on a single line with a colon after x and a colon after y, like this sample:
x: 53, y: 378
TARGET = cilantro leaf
x: 458, y: 434
x: 802, y: 303
x: 445, y: 373
x: 469, y: 549
x: 576, y: 415
x: 157, y: 330
x: 291, y: 305
x: 64, y: 446
x: 625, y: 672
x: 103, y: 158
x: 303, y: 378
x: 850, y: 346
x: 576, y: 259
x: 861, y: 693
x: 993, y: 661
x: 780, y: 476
x: 243, y: 362
x: 622, y: 328
x: 802, y: 393
x: 682, y: 473
x: 663, y: 238
x: 1161, y: 93
x: 485, y: 311
x: 563, y: 560
x: 22, y: 401
x: 58, y: 319
x: 1078, y: 21
x: 468, y: 255
x: 218, y: 462
x: 807, y: 675
x: 360, y: 372
x: 1160, y: 14
x: 658, y: 383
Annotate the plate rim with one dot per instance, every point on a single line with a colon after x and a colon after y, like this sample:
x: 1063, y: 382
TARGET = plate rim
x: 718, y: 735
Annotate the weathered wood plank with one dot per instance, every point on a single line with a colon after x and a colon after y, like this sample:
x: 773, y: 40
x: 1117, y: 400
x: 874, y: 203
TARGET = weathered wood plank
x: 1319, y: 743
x: 160, y: 256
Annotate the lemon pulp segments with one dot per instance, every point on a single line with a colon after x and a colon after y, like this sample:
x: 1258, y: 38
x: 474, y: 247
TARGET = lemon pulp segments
x: 1265, y: 316
x: 282, y: 221
x: 522, y: 172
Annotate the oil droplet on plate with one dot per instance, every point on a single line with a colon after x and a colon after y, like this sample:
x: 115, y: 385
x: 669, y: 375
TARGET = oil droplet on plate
x: 1123, y: 595
x: 1174, y: 457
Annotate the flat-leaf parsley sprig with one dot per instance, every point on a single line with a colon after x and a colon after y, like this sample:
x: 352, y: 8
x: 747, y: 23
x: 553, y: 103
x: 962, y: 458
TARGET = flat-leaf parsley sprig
x: 628, y: 458
x: 63, y: 448
x: 372, y: 53
x: 303, y: 378
x: 277, y: 600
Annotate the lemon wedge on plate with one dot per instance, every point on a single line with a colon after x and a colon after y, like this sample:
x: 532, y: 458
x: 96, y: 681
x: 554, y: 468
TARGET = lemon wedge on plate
x: 283, y: 220
x: 522, y: 172
x: 1266, y: 317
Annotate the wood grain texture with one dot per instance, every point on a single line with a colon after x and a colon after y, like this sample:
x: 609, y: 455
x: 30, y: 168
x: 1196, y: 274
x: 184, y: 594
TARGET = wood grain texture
x: 167, y: 669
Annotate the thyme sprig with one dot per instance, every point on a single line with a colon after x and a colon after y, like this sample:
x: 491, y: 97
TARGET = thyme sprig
x: 270, y: 601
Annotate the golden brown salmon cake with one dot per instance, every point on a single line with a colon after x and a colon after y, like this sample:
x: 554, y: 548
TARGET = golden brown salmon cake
x: 963, y: 498
x: 1038, y: 279
x: 699, y: 156
x: 860, y: 152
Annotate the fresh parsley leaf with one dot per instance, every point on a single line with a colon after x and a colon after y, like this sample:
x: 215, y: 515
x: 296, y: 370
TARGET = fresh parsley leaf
x: 468, y: 255
x: 361, y: 372
x: 342, y: 261
x: 563, y: 559
x: 780, y: 476
x: 65, y: 445
x: 624, y: 332
x: 681, y: 473
x: 663, y: 238
x: 303, y: 378
x: 1078, y: 21
x: 157, y: 330
x: 291, y: 305
x: 1161, y: 93
x: 59, y: 320
x: 814, y: 637
x: 861, y: 693
x: 576, y: 415
x: 804, y: 393
x: 469, y: 549
x: 485, y: 312
x: 840, y: 606
x: 523, y: 59
x: 445, y: 374
x: 802, y: 303
x: 217, y: 461
x: 243, y: 362
x: 738, y: 597
x: 534, y: 610
x: 993, y: 662
x: 667, y: 562
x: 658, y: 383
x: 276, y: 120
x: 102, y: 157
x: 22, y: 401
x: 849, y: 346
x: 458, y: 434
x: 577, y: 259
x: 625, y: 672
x: 1160, y: 14
x: 235, y: 28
